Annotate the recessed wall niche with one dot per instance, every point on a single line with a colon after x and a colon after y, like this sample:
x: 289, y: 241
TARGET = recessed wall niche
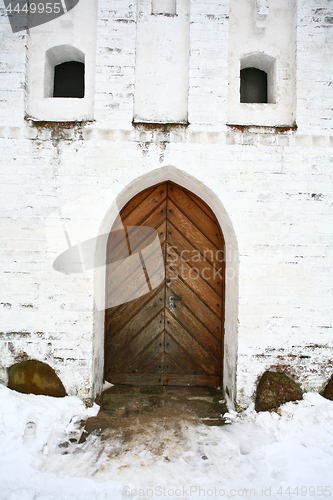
x: 256, y: 41
x: 61, y: 76
x: 63, y: 40
x: 162, y: 62
x: 254, y: 70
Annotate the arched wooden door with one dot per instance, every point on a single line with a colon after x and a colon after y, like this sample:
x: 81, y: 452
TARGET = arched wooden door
x: 147, y: 341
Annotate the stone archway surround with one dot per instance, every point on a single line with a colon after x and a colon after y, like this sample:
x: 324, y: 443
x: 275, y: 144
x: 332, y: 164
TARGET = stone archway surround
x: 231, y: 290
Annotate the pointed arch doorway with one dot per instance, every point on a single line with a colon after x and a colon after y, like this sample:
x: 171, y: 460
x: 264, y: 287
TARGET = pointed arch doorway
x: 172, y: 335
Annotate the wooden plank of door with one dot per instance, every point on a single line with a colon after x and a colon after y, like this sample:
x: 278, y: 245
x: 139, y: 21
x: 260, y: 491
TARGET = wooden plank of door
x: 147, y: 356
x: 177, y: 266
x: 195, y: 350
x: 212, y: 274
x: 135, y: 379
x: 121, y: 355
x: 198, y: 331
x: 157, y: 366
x: 175, y: 351
x: 138, y: 216
x: 191, y: 380
x: 146, y: 200
x: 137, y: 237
x: 114, y: 311
x: 119, y: 316
x: 198, y: 308
x: 134, y: 202
x: 170, y: 366
x: 186, y: 227
x: 137, y: 322
x: 187, y: 205
x: 117, y: 240
x: 132, y: 279
x: 201, y: 204
x: 128, y: 274
x: 117, y: 247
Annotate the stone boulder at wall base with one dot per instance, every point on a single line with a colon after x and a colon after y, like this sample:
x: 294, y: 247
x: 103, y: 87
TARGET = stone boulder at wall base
x: 274, y: 389
x: 35, y: 377
x: 328, y: 391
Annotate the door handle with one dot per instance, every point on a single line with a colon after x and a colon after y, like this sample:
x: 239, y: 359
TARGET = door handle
x: 172, y: 304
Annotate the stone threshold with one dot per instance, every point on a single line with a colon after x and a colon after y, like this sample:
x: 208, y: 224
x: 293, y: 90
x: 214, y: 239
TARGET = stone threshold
x: 127, y: 409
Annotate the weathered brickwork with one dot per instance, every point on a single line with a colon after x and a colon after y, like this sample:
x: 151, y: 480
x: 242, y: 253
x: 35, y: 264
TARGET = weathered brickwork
x: 314, y: 71
x: 273, y: 185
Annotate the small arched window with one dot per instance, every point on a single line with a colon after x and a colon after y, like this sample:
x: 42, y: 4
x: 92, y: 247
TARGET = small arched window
x: 64, y: 72
x: 69, y: 80
x: 253, y: 85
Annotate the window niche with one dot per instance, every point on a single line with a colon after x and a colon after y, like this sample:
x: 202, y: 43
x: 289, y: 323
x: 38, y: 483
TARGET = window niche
x: 258, y: 28
x: 64, y: 72
x: 257, y: 79
x: 49, y: 97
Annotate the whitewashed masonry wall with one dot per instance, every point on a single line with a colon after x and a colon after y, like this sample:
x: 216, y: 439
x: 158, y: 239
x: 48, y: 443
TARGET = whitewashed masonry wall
x: 270, y: 188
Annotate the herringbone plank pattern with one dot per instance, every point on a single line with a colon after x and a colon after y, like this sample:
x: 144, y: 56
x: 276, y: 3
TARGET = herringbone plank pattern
x: 146, y: 342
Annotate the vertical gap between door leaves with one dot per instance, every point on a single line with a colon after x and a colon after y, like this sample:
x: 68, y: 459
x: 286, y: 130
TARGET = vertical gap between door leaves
x: 166, y: 271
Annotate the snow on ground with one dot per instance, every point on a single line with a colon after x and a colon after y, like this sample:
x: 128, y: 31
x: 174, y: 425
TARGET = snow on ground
x: 285, y: 454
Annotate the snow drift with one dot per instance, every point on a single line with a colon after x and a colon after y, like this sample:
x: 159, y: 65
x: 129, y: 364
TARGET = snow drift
x: 283, y: 454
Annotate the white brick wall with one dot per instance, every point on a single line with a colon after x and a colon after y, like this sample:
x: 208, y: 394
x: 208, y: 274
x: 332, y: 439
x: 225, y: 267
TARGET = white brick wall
x: 115, y: 62
x: 13, y: 70
x: 314, y: 68
x: 208, y: 64
x: 271, y: 191
x: 161, y: 64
